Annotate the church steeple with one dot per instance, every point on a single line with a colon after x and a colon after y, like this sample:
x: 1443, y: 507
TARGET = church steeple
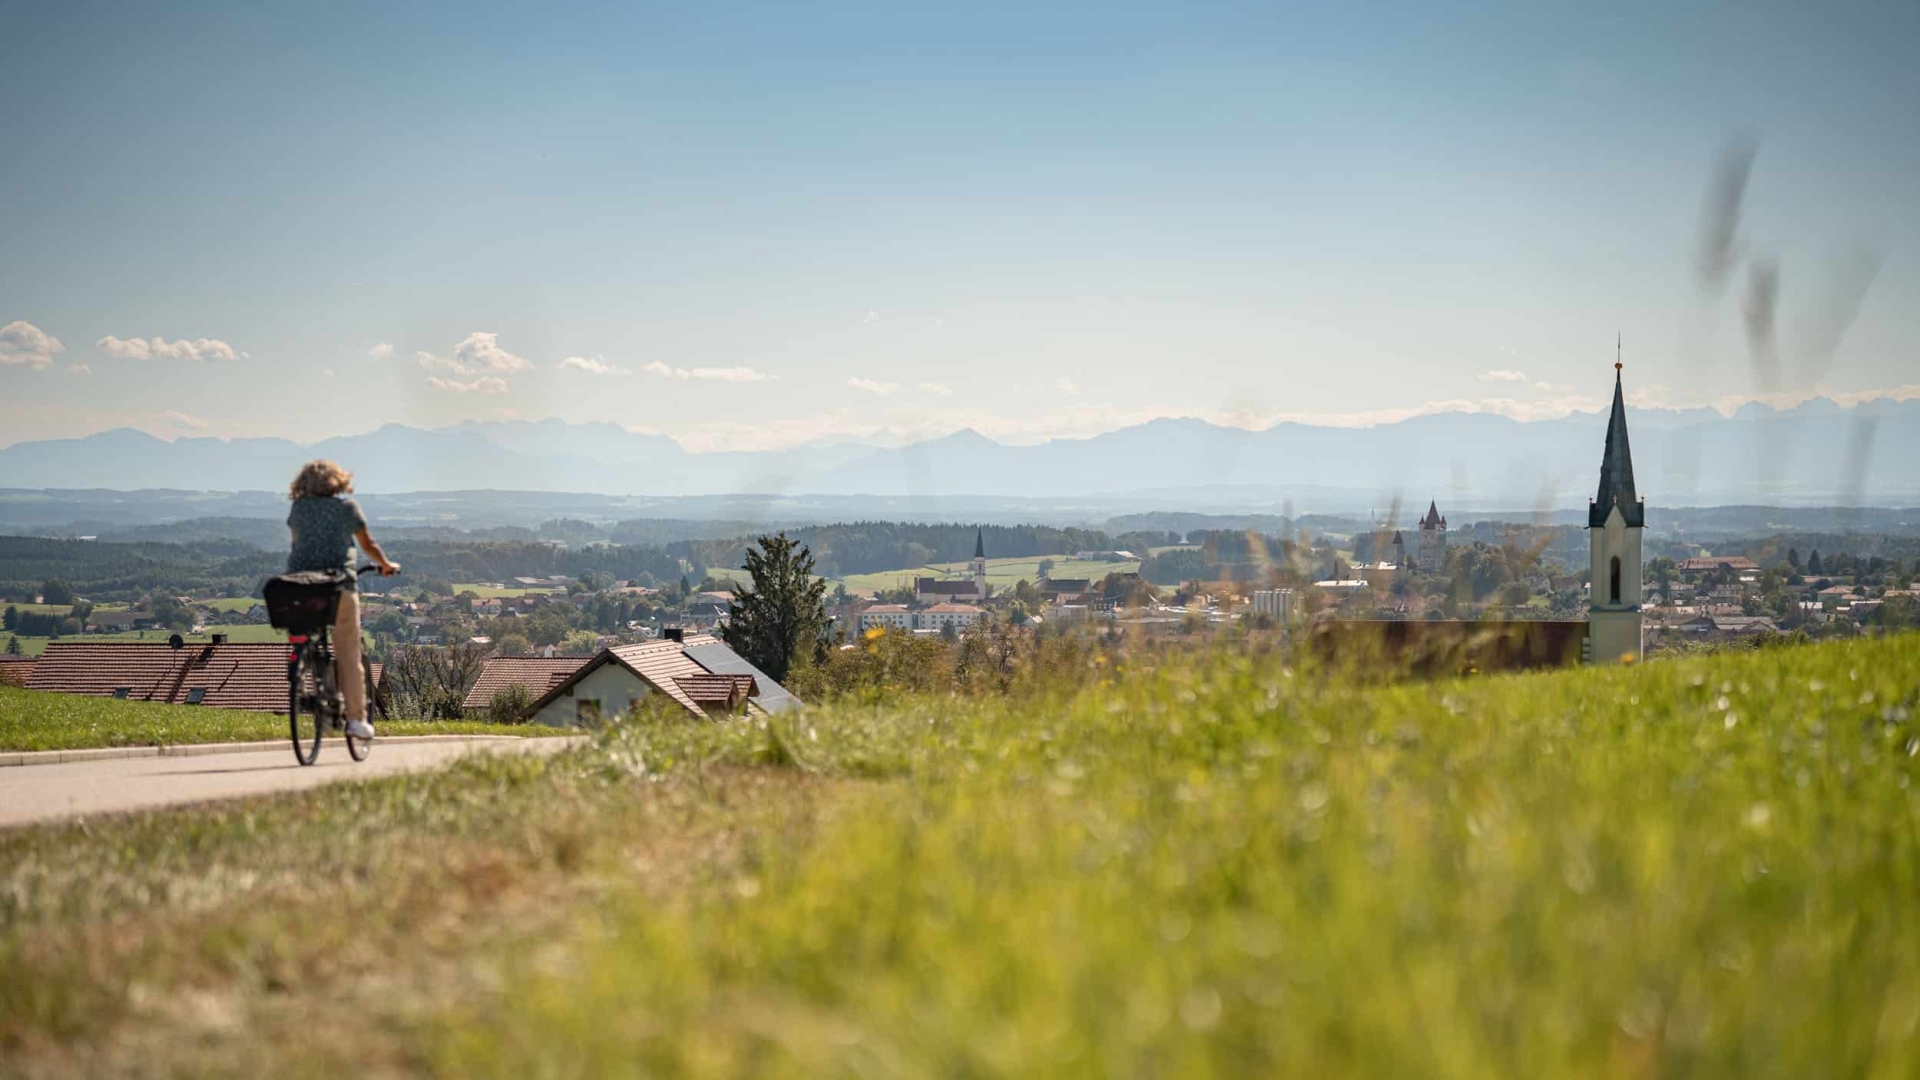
x: 980, y: 543
x: 1616, y: 469
x: 1615, y: 630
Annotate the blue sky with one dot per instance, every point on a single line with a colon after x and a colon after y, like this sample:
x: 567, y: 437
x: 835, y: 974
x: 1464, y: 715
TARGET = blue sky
x: 752, y: 226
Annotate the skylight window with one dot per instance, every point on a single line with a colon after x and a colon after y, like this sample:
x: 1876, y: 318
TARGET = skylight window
x: 195, y: 695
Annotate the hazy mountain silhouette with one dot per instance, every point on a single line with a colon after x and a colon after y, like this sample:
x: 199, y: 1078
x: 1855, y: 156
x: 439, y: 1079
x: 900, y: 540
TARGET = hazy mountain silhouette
x: 1818, y: 450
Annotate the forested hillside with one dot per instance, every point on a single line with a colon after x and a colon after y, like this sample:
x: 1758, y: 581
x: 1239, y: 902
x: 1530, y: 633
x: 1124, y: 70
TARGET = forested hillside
x: 103, y: 571
x: 433, y: 560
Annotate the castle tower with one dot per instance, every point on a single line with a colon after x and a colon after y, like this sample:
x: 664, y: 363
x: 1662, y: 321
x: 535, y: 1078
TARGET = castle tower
x: 980, y: 560
x: 1433, y: 540
x: 1614, y: 523
x: 1397, y: 548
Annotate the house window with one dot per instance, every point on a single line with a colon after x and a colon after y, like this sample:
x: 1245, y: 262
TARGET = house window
x: 1613, y: 585
x: 588, y: 711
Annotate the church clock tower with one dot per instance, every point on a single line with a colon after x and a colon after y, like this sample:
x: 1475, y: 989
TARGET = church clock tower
x: 1615, y: 520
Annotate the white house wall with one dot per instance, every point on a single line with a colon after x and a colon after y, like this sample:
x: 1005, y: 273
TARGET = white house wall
x: 612, y: 686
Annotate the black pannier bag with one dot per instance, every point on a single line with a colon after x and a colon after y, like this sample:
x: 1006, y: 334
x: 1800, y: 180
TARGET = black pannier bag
x: 305, y: 599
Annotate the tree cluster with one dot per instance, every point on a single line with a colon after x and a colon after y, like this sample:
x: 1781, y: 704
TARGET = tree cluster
x: 864, y: 547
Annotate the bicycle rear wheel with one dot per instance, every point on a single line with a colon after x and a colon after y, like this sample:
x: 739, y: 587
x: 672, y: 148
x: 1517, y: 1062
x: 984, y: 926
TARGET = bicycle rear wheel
x: 309, y: 702
x: 360, y: 748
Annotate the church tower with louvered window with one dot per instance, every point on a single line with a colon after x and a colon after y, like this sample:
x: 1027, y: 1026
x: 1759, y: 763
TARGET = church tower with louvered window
x: 1615, y: 521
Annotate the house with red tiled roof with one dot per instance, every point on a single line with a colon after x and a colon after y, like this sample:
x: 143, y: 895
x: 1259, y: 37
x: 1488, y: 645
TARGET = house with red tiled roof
x: 700, y: 674
x: 14, y: 670
x: 537, y: 674
x: 218, y: 674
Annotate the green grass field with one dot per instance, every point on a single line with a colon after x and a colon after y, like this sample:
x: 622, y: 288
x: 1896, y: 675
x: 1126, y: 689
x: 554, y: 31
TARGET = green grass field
x: 1001, y: 573
x: 224, y: 603
x: 242, y: 633
x: 1218, y: 866
x: 29, y: 646
x: 38, y: 609
x: 38, y: 721
x: 228, y: 603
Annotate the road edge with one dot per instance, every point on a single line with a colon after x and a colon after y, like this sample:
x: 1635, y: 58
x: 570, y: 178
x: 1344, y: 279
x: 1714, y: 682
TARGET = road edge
x: 110, y: 753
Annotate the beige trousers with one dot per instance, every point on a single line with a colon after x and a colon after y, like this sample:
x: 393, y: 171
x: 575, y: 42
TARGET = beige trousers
x: 346, y: 652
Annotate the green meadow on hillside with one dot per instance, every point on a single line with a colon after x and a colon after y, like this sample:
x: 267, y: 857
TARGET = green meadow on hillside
x: 1215, y: 865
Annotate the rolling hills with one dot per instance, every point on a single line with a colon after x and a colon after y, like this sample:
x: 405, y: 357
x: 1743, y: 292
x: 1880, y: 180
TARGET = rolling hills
x: 1817, y: 451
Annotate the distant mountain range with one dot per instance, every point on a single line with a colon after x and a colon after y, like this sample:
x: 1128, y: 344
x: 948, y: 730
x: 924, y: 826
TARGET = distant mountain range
x: 1815, y: 452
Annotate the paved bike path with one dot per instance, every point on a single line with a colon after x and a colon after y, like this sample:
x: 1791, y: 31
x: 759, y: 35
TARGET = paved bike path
x: 75, y: 788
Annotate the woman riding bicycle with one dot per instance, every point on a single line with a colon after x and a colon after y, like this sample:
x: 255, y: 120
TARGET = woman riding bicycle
x: 325, y: 525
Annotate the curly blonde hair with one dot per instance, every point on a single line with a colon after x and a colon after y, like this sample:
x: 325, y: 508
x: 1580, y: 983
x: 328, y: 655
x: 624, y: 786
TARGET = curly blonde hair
x: 320, y: 479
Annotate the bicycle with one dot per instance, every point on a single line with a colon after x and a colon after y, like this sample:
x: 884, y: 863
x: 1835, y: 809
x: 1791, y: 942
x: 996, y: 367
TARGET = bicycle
x: 304, y: 604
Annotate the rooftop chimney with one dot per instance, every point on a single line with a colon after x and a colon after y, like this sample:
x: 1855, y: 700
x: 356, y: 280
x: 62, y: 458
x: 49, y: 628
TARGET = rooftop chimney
x: 219, y: 639
x: 675, y: 633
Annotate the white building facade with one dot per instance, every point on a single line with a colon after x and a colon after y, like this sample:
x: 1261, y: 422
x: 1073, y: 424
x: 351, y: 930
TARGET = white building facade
x: 941, y: 616
x: 1276, y: 604
x: 887, y: 617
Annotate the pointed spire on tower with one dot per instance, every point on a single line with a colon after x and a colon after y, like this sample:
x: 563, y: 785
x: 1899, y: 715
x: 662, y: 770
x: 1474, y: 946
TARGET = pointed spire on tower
x: 1616, y: 465
x: 980, y: 543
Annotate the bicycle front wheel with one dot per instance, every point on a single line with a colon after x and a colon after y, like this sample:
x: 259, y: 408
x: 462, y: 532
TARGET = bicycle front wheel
x: 360, y: 748
x: 309, y: 701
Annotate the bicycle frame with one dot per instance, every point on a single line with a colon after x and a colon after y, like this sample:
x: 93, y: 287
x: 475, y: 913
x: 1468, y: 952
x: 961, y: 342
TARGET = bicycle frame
x: 320, y: 644
x: 325, y: 701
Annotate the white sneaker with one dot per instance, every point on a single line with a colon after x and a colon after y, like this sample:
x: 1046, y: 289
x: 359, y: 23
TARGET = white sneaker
x: 360, y: 729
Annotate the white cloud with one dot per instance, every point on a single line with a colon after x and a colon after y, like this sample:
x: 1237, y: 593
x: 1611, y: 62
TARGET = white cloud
x: 80, y: 369
x: 382, y: 351
x: 883, y: 389
x: 1066, y: 386
x: 482, y: 351
x: 184, y: 420
x: 941, y: 389
x: 485, y: 385
x: 328, y: 372
x: 709, y: 374
x: 21, y: 342
x: 592, y: 365
x: 1503, y: 375
x: 477, y: 353
x: 159, y: 348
